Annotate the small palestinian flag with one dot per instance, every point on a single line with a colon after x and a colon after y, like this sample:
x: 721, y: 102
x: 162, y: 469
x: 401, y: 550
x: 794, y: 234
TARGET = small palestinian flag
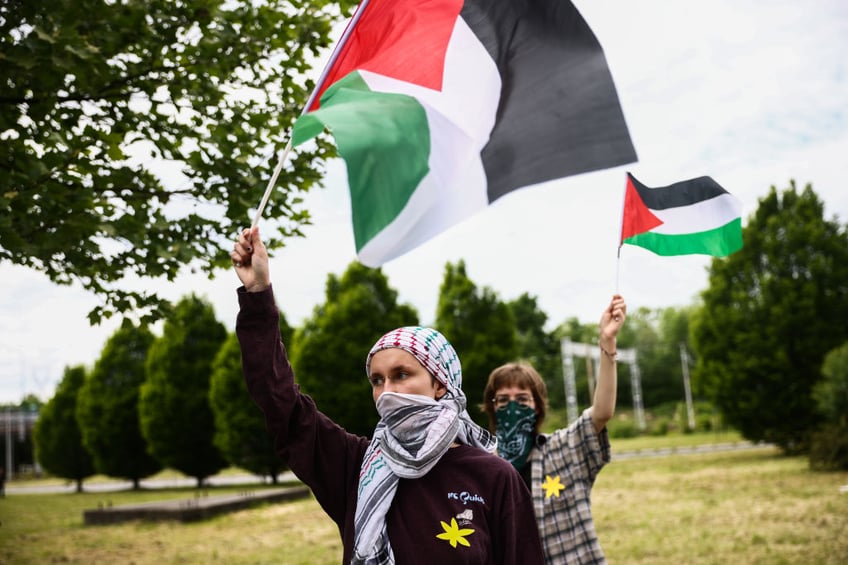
x: 695, y: 216
x: 440, y: 107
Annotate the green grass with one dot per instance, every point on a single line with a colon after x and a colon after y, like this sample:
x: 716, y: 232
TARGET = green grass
x: 752, y: 507
x: 48, y: 528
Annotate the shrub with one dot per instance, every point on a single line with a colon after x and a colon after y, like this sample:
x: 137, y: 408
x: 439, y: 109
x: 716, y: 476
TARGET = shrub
x: 622, y: 427
x: 829, y: 448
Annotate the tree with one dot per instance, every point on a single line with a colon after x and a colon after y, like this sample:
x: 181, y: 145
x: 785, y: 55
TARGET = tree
x: 577, y: 332
x: 674, y: 333
x: 240, y: 431
x: 137, y: 134
x: 58, y: 441
x: 770, y: 314
x: 534, y: 344
x: 107, y: 407
x: 480, y: 327
x: 176, y: 418
x: 658, y: 334
x: 829, y: 446
x: 30, y: 402
x: 331, y: 346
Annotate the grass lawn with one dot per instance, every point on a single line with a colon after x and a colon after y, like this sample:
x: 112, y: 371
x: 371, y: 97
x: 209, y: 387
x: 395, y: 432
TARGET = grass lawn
x: 747, y: 507
x: 48, y: 528
x: 672, y: 440
x: 752, y: 507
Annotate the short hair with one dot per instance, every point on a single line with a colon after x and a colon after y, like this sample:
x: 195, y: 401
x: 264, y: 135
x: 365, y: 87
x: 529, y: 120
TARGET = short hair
x: 522, y: 375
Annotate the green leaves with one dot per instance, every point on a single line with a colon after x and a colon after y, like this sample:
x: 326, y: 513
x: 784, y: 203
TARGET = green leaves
x: 174, y: 409
x: 99, y: 102
x: 329, y: 350
x: 771, y: 313
x: 107, y: 407
x: 481, y: 328
x: 57, y: 436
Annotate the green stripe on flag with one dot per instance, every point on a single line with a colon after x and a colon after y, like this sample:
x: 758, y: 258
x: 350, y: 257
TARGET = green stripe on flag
x: 719, y: 242
x: 385, y: 142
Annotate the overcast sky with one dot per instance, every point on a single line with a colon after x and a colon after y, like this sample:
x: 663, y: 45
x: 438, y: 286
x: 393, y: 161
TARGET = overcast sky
x: 751, y: 93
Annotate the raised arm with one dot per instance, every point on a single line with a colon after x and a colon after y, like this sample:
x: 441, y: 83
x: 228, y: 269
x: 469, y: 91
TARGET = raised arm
x: 603, y: 405
x: 322, y: 454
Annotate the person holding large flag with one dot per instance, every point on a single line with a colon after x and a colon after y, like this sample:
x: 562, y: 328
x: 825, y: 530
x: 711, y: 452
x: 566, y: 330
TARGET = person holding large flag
x: 427, y: 487
x: 559, y: 468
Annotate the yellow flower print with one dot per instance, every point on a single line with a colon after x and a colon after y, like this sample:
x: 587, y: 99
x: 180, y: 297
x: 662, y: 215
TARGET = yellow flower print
x: 454, y: 535
x: 552, y: 486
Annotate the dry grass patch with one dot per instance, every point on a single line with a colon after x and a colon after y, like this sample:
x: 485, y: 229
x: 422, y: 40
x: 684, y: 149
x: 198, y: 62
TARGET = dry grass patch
x: 265, y: 535
x: 748, y: 507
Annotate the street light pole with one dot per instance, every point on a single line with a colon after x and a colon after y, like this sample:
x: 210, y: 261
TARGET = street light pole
x: 687, y: 388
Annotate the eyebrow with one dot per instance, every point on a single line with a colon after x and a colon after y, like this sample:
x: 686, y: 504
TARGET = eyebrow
x: 395, y: 368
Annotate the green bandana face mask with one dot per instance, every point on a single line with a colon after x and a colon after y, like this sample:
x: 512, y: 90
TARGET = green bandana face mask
x: 515, y: 432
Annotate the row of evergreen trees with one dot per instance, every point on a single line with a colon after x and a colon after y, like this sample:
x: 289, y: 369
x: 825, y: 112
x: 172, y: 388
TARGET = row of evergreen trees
x: 175, y: 401
x: 767, y: 337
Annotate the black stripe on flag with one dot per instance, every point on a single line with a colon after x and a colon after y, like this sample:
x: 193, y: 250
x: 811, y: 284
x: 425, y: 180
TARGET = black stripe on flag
x: 683, y: 193
x: 559, y: 112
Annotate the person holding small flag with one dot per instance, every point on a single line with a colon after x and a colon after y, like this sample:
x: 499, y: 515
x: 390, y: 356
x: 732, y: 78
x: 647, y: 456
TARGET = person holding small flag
x: 559, y: 468
x: 427, y: 487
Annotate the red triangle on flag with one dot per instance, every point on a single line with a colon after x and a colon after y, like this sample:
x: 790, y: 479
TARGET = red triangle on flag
x: 637, y: 218
x: 402, y: 39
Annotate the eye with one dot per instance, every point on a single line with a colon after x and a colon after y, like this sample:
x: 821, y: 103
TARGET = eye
x: 376, y: 380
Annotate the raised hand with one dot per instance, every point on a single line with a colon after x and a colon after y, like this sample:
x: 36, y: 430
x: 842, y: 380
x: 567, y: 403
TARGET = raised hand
x: 250, y: 260
x: 612, y: 319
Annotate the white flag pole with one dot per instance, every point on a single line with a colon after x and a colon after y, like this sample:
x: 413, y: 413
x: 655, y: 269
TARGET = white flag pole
x: 284, y: 155
x: 280, y: 162
x: 617, y: 267
x: 620, y: 233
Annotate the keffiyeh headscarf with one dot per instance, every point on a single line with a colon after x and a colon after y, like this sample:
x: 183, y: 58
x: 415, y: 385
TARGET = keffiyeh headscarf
x: 412, y: 435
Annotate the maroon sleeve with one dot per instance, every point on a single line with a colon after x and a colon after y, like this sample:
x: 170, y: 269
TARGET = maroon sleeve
x: 322, y: 454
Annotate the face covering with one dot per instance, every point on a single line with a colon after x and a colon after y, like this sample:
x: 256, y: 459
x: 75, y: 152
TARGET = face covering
x: 515, y: 432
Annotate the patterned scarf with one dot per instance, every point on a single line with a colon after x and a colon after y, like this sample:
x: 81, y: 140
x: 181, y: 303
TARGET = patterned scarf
x: 515, y: 432
x: 413, y: 433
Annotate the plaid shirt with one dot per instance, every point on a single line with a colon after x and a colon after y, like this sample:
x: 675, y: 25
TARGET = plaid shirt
x: 564, y: 466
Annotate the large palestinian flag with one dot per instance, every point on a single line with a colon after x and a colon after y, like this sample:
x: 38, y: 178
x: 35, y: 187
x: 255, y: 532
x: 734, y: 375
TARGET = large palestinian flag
x: 440, y: 107
x: 695, y: 216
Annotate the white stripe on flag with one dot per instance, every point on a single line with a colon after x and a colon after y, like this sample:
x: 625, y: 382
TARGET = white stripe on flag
x: 460, y: 118
x: 699, y: 217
